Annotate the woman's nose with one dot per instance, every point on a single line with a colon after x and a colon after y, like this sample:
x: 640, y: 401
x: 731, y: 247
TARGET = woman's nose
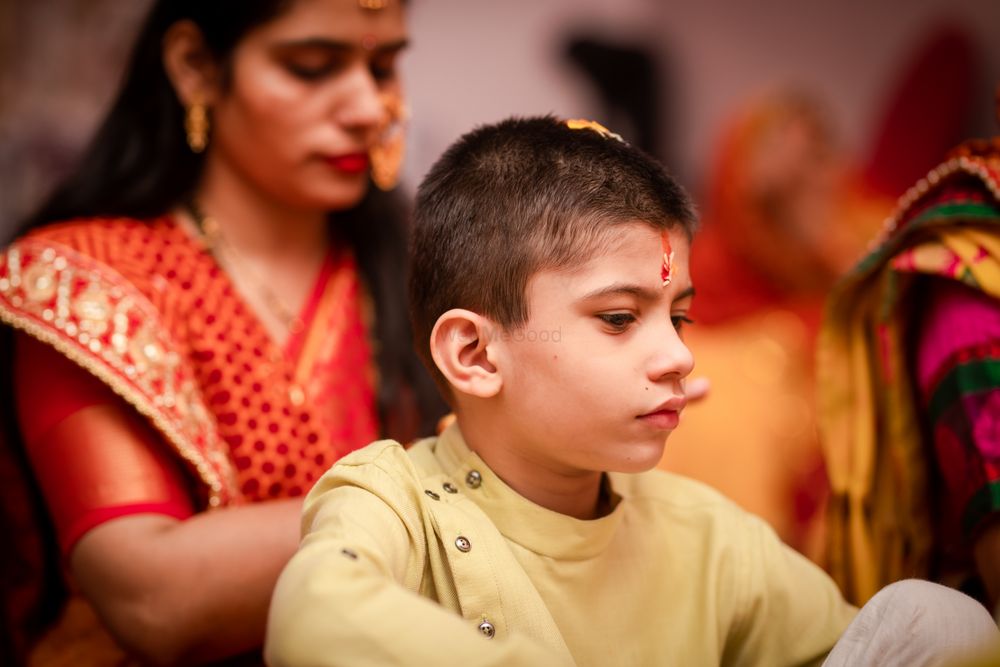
x: 363, y: 107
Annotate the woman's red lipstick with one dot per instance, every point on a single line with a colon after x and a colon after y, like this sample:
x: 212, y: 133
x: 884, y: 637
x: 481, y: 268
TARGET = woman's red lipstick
x: 350, y: 163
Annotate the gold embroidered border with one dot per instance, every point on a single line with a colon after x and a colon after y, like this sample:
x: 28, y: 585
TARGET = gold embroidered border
x: 984, y: 168
x: 98, y: 320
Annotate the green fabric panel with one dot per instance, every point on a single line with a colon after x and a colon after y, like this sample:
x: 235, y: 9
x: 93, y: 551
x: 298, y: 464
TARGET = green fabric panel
x: 966, y: 378
x: 976, y: 210
x: 983, y: 503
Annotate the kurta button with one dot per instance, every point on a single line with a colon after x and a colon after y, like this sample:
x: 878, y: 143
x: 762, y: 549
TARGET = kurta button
x: 473, y: 479
x: 449, y: 487
x: 432, y: 494
x: 487, y: 629
x: 463, y: 544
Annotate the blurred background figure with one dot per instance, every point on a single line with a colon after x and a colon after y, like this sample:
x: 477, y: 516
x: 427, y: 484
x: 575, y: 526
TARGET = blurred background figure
x: 203, y: 317
x: 909, y: 380
x: 630, y: 85
x: 708, y: 57
x: 769, y: 248
x: 787, y: 210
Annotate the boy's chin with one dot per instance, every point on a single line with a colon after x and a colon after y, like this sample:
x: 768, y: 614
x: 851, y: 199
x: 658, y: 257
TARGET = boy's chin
x: 641, y: 458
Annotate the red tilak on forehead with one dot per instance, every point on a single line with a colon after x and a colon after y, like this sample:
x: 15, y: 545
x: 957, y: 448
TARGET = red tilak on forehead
x: 668, y: 259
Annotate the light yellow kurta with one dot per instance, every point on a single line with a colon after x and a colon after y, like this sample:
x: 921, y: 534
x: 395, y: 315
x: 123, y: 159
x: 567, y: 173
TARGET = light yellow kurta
x: 412, y: 557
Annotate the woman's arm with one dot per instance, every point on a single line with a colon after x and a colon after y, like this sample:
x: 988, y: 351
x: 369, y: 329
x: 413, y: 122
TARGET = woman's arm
x: 171, y: 585
x: 187, y: 592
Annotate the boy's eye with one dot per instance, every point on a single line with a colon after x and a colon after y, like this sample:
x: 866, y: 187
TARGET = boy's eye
x: 618, y: 322
x: 680, y: 321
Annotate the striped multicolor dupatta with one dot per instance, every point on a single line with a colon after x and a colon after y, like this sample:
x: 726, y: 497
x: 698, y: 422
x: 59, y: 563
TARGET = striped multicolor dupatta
x: 948, y: 225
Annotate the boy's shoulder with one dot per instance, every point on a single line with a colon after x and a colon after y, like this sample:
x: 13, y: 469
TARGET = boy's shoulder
x: 384, y: 469
x: 391, y: 453
x: 372, y: 454
x: 695, y: 522
x: 399, y: 465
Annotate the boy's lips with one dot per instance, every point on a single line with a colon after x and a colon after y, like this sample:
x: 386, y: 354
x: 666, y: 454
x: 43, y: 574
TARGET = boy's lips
x: 674, y: 404
x: 664, y: 420
x: 351, y: 163
x: 665, y: 416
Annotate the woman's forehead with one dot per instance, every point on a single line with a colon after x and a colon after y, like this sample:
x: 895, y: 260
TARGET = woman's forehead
x: 350, y: 21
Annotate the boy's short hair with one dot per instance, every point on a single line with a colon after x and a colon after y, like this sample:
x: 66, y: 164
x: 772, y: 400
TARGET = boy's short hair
x: 513, y: 198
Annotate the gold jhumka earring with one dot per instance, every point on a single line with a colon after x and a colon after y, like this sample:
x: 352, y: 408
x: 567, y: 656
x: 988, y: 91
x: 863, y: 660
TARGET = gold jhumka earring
x: 196, y: 126
x: 387, y: 153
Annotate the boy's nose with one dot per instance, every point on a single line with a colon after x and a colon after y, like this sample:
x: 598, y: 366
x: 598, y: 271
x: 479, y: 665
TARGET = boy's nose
x: 672, y: 359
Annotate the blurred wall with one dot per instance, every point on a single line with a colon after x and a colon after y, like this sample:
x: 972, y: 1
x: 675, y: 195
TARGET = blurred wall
x: 60, y: 61
x: 479, y: 60
x: 475, y: 61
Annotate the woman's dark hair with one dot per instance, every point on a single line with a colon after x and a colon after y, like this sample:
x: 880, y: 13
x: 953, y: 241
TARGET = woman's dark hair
x: 138, y: 165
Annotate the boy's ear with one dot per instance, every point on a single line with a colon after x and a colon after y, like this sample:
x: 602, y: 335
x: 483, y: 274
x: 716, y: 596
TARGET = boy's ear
x: 463, y: 350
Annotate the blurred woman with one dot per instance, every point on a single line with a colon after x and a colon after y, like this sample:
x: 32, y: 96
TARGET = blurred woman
x: 204, y: 317
x: 782, y: 218
x: 909, y: 380
x: 787, y: 211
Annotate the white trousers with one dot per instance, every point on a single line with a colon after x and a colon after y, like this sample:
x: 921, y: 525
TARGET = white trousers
x: 914, y: 623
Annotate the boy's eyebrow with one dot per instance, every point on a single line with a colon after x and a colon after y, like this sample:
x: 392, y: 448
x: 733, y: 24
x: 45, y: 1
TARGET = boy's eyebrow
x: 630, y: 289
x: 689, y: 292
x: 340, y: 45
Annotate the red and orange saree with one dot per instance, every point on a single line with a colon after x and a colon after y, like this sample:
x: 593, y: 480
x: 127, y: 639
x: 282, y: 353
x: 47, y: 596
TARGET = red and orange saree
x: 139, y: 314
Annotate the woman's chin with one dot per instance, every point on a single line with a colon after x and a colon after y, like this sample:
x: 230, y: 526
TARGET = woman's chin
x: 343, y: 194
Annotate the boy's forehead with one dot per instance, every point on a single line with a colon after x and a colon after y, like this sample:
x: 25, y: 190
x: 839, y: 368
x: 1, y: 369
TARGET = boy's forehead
x: 635, y: 241
x: 631, y: 253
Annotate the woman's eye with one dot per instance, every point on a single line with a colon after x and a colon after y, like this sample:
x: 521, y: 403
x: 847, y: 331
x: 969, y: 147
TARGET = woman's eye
x: 315, y: 68
x: 617, y: 321
x: 383, y: 69
x: 680, y: 321
x: 310, y: 72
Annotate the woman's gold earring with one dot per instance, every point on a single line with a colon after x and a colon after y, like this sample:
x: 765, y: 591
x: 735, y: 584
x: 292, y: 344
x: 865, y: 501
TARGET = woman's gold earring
x: 387, y: 153
x: 196, y: 126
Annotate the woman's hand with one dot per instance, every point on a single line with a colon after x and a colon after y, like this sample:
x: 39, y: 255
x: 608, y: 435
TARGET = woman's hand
x: 696, y: 389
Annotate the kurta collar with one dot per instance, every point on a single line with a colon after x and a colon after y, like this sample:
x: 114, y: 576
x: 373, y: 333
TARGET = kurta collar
x: 533, y: 527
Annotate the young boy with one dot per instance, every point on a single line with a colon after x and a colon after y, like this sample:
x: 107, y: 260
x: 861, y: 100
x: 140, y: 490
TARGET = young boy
x: 549, y: 293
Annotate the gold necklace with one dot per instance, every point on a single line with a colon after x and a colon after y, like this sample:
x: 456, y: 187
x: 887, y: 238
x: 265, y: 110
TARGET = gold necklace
x: 216, y: 241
